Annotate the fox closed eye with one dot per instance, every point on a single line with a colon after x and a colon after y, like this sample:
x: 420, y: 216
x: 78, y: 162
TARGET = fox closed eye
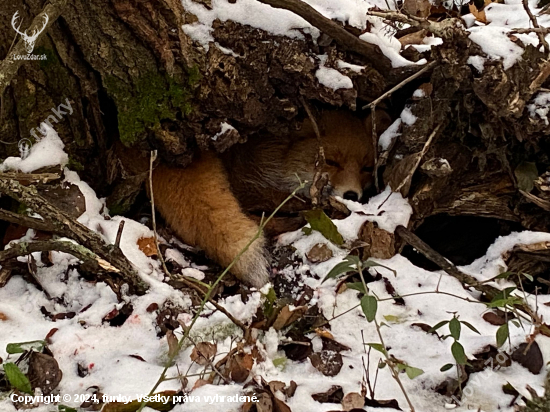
x: 367, y: 169
x: 332, y: 163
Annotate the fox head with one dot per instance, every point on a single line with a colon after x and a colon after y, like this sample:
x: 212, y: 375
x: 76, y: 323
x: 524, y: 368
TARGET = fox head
x: 349, y: 151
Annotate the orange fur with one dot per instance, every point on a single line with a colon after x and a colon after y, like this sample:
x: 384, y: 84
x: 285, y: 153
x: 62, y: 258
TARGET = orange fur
x: 205, y: 203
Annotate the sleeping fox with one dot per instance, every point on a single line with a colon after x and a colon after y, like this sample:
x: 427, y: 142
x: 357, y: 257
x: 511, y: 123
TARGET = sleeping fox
x: 207, y: 203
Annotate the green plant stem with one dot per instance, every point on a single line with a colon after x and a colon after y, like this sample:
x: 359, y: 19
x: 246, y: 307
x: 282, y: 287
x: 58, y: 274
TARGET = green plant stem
x: 389, y: 361
x: 182, y: 340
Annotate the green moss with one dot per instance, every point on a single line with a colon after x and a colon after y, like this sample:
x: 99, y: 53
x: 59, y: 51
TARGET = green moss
x: 51, y: 57
x: 74, y: 164
x: 154, y: 97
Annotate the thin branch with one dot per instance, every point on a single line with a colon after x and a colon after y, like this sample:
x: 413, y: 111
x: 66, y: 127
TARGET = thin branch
x: 119, y: 233
x: 78, y: 251
x: 10, y: 65
x: 30, y: 178
x: 26, y: 221
x: 347, y: 40
x: 419, y: 73
x: 536, y: 26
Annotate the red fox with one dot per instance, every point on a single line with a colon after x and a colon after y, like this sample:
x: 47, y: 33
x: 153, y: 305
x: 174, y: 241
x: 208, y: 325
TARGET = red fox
x: 206, y: 203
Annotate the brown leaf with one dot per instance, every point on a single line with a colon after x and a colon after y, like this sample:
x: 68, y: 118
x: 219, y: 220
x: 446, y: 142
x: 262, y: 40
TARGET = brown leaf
x: 413, y: 38
x: 323, y: 333
x: 494, y: 319
x: 204, y: 353
x: 67, y: 197
x: 334, y: 395
x: 147, y: 246
x: 173, y: 345
x: 329, y: 363
x: 3, y: 317
x: 379, y: 243
x: 353, y: 400
x: 238, y: 367
x: 287, y: 316
x: 280, y: 406
x: 478, y: 14
x: 44, y: 372
x: 275, y: 386
x: 290, y: 389
x: 532, y: 359
x: 319, y: 253
x: 418, y: 8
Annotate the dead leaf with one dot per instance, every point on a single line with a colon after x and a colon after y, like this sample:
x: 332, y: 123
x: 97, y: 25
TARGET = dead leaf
x: 290, y: 389
x: 319, y: 253
x: 3, y: 317
x: 147, y: 246
x: 532, y: 359
x: 199, y: 383
x: 418, y: 8
x: 478, y: 14
x: 413, y: 38
x: 238, y: 367
x: 353, y: 400
x: 203, y: 353
x: 334, y: 395
x: 287, y: 316
x: 173, y: 345
x: 44, y: 372
x: 324, y: 333
x: 494, y: 319
x: 329, y: 363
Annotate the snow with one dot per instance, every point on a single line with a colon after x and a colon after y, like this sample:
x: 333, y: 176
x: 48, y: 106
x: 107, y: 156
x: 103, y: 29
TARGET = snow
x: 225, y: 127
x: 333, y: 79
x: 501, y: 20
x: 390, y: 134
x: 408, y: 118
x: 540, y: 106
x: 48, y: 151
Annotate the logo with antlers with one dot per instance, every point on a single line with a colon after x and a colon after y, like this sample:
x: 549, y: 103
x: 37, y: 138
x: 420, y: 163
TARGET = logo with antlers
x: 29, y: 40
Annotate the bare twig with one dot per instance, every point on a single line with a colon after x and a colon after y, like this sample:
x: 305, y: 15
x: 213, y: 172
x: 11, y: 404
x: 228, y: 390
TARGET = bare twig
x: 344, y: 38
x: 202, y: 293
x: 119, y: 233
x: 536, y: 26
x: 426, y: 68
x: 543, y: 30
x: 10, y: 65
x: 441, y: 29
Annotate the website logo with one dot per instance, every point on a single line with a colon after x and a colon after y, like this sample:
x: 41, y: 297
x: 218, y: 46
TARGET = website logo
x: 29, y: 40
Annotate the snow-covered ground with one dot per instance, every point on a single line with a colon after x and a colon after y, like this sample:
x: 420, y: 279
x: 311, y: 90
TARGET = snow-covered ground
x: 127, y: 360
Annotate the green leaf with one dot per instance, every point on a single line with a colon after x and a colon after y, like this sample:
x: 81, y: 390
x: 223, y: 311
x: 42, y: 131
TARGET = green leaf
x: 502, y: 335
x: 307, y: 230
x: 369, y: 304
x: 339, y: 269
x: 458, y: 353
x: 20, y: 347
x: 469, y: 325
x: 377, y: 346
x: 280, y: 362
x: 503, y: 275
x: 391, y: 318
x: 16, y: 378
x: 371, y: 263
x: 526, y: 173
x: 528, y: 276
x: 319, y: 221
x: 356, y: 286
x: 436, y: 327
x: 413, y: 372
x: 446, y: 367
x: 454, y: 328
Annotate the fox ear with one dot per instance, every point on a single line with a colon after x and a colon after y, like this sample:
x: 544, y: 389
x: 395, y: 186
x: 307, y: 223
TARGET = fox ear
x: 383, y: 121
